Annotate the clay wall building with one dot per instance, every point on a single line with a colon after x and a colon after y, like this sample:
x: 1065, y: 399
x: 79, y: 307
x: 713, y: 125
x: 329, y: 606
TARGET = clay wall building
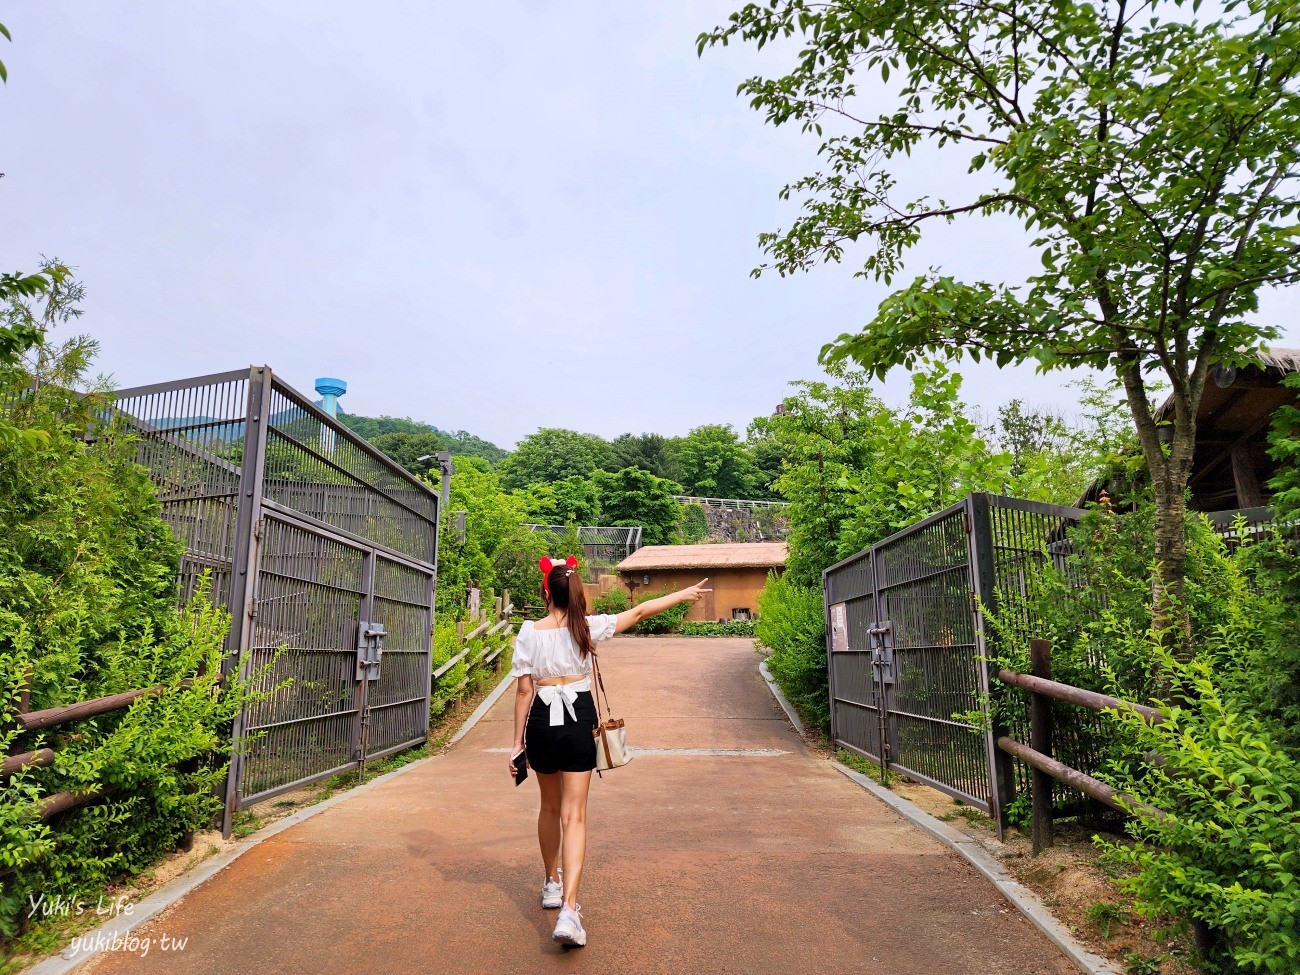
x: 736, y: 573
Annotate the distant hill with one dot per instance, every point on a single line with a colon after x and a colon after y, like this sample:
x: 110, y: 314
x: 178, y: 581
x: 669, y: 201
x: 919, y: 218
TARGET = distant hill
x: 401, y: 431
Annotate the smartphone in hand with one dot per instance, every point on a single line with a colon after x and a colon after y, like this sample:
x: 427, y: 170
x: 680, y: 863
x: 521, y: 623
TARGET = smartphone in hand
x: 520, y: 762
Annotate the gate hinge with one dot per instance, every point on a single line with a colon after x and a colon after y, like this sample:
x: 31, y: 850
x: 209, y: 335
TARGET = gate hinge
x: 965, y: 520
x: 258, y: 527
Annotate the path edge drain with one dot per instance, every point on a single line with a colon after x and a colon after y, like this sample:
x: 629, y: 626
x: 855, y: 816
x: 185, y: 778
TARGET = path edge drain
x: 1024, y: 899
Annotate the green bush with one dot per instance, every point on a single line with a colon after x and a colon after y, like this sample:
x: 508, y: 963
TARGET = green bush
x: 1096, y: 614
x: 1227, y: 852
x: 88, y: 604
x: 468, y: 674
x: 666, y: 622
x: 728, y: 628
x: 612, y: 602
x: 694, y: 524
x: 792, y: 624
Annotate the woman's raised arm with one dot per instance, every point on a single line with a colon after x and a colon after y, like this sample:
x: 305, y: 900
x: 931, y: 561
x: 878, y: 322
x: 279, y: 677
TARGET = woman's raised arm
x: 653, y: 607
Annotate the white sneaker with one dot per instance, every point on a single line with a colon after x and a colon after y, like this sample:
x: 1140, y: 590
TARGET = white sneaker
x: 553, y: 890
x: 568, y: 929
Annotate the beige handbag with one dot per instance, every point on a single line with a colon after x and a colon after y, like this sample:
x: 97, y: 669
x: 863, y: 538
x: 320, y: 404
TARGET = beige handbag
x: 610, y: 733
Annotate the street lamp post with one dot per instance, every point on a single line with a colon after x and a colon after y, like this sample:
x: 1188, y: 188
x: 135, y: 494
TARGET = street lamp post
x: 443, y: 457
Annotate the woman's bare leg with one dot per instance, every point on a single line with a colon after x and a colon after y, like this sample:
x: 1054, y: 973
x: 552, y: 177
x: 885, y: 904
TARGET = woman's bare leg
x: 573, y: 816
x: 548, y: 820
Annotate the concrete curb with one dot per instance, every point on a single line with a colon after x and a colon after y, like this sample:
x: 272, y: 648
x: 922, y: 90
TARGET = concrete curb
x: 103, y: 937
x: 1024, y: 899
x: 482, y: 709
x: 786, y: 706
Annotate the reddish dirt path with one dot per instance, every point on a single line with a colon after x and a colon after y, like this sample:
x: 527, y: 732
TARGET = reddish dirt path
x: 697, y: 864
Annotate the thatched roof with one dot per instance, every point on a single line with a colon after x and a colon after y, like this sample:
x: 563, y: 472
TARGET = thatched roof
x: 733, y: 555
x: 1282, y: 360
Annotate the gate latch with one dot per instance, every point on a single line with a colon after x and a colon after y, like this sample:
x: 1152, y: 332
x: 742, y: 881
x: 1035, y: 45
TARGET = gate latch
x: 370, y: 646
x: 882, y: 651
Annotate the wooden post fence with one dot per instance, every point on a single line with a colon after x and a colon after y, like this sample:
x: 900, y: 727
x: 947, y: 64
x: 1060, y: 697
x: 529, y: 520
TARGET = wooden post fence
x: 495, y: 620
x: 1038, y: 753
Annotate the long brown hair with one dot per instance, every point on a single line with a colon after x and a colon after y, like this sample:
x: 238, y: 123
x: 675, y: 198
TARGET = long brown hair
x: 565, y: 588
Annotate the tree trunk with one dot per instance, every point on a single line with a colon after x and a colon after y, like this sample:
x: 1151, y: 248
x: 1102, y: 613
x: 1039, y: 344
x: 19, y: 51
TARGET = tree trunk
x: 1170, y: 468
x: 1168, y: 583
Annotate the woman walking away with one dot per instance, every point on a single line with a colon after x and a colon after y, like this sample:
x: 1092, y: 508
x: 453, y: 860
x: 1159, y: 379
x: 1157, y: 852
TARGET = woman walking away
x: 554, y: 705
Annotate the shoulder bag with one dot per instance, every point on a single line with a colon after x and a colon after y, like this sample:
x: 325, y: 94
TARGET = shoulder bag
x: 610, y: 733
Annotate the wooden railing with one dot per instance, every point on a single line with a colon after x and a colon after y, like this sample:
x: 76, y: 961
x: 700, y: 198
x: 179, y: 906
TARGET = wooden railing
x: 492, y: 621
x: 62, y: 714
x: 1038, y: 753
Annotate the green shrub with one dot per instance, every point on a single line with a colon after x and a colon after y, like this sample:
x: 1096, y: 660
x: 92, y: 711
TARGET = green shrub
x: 468, y: 674
x: 792, y: 624
x: 727, y: 628
x: 666, y: 622
x: 694, y: 524
x: 612, y: 602
x: 1096, y: 614
x: 148, y: 760
x: 1227, y: 852
x: 88, y: 597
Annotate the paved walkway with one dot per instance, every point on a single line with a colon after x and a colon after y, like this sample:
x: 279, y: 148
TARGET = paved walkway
x: 767, y: 861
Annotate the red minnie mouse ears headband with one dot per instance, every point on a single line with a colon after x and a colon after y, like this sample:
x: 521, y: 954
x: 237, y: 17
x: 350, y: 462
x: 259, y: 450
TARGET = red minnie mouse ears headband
x: 547, y: 565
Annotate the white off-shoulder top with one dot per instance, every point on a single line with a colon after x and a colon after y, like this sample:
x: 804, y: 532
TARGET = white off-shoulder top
x: 551, y: 653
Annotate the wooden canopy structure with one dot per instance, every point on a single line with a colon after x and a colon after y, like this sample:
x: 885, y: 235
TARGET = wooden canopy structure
x: 1231, y: 467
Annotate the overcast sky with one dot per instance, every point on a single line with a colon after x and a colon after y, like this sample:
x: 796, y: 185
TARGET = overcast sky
x: 492, y: 216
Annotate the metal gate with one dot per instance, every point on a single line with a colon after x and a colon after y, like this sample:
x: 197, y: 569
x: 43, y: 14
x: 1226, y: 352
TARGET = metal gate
x: 908, y: 644
x: 345, y: 628
x: 323, y: 549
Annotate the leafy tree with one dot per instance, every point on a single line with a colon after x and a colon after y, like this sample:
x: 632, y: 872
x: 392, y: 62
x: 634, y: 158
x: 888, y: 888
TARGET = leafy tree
x: 492, y: 534
x: 1148, y: 150
x: 406, y: 448
x: 649, y: 451
x: 515, y: 565
x: 766, y: 455
x: 1056, y: 458
x: 371, y: 427
x: 552, y: 454
x: 574, y: 500
x: 713, y: 463
x: 19, y: 334
x: 429, y: 438
x: 636, y: 497
x: 464, y: 444
x: 856, y: 470
x: 828, y: 430
x: 1026, y: 432
x: 56, y: 305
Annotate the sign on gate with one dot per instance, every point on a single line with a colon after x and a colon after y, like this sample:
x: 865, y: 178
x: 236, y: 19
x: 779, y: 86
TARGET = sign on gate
x: 839, y: 628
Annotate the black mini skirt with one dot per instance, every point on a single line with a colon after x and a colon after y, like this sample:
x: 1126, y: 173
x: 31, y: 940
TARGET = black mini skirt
x: 569, y: 747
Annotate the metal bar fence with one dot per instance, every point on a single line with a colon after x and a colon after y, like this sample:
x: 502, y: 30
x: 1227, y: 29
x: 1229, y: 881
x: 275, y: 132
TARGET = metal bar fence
x: 309, y: 532
x: 915, y: 621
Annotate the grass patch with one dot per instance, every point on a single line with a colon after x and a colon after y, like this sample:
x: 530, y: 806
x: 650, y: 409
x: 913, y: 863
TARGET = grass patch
x: 870, y: 769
